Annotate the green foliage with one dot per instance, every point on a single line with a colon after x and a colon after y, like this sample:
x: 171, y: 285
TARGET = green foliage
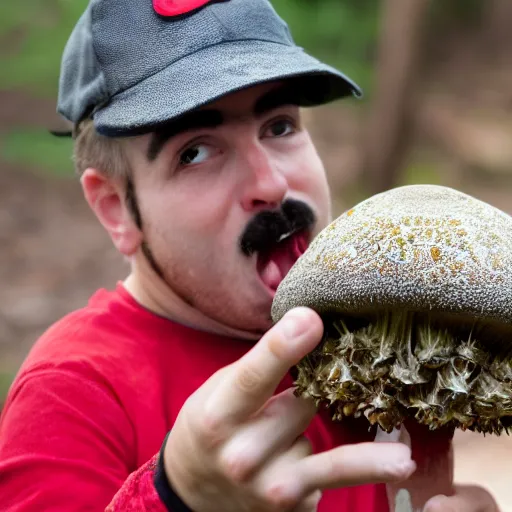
x: 38, y: 149
x: 343, y: 33
x: 43, y: 27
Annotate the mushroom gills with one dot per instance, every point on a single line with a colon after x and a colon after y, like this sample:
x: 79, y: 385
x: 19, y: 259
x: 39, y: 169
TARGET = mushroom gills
x: 398, y: 364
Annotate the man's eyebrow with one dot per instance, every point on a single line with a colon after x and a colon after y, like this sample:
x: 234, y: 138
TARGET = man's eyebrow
x: 276, y: 98
x: 271, y: 100
x: 188, y: 122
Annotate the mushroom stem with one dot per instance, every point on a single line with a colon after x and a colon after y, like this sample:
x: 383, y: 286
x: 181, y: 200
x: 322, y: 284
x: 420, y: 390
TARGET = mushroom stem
x: 433, y: 454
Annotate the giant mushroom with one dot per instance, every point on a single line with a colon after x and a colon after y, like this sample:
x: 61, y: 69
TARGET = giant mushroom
x: 414, y: 286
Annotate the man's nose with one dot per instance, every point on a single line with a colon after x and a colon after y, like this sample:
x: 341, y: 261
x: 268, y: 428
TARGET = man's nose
x: 265, y: 185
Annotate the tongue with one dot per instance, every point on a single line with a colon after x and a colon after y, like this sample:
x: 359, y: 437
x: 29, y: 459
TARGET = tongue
x: 274, y: 266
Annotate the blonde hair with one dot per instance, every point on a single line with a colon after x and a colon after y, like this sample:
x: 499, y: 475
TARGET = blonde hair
x: 106, y: 154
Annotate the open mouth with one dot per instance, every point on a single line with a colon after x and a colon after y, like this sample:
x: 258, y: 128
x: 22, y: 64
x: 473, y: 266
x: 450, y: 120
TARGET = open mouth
x: 273, y: 265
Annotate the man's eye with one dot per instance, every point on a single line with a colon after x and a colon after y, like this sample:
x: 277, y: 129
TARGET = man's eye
x: 194, y: 155
x: 280, y: 128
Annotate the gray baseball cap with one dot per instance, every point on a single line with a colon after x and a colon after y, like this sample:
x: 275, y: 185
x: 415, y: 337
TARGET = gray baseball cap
x: 132, y: 65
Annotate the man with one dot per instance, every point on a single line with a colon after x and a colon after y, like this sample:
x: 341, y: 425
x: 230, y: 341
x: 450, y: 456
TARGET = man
x: 172, y: 392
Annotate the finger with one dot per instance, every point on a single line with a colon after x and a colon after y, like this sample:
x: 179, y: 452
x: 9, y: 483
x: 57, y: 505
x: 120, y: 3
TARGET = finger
x: 358, y: 464
x: 274, y: 430
x: 293, y: 477
x: 300, y: 449
x: 276, y: 482
x: 467, y: 499
x: 253, y: 379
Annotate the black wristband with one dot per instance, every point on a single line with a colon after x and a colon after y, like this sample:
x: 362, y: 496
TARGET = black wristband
x: 166, y: 493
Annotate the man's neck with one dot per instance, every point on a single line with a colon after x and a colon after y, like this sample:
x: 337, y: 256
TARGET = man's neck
x: 155, y: 295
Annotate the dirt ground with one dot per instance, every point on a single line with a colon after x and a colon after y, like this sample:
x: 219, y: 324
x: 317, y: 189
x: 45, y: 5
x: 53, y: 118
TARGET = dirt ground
x: 54, y: 255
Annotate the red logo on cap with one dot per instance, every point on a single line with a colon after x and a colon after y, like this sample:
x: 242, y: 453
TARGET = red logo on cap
x: 177, y: 7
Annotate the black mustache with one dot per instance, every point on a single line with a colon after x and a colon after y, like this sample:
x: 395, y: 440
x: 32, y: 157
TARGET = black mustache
x: 266, y: 229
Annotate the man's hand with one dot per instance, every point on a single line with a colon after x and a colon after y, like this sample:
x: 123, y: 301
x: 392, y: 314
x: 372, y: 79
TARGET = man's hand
x: 236, y: 447
x: 467, y: 498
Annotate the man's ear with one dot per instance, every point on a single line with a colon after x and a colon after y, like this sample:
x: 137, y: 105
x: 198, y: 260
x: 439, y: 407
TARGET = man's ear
x: 106, y: 199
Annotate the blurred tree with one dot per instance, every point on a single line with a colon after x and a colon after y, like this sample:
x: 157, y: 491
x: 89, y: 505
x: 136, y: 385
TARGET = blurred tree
x: 389, y: 120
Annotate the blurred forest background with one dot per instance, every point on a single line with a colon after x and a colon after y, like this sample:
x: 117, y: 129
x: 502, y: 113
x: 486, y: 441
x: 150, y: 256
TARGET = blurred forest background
x: 437, y: 109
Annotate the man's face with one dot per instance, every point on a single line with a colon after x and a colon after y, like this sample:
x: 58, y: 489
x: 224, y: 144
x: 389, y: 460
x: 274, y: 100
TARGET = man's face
x: 209, y: 190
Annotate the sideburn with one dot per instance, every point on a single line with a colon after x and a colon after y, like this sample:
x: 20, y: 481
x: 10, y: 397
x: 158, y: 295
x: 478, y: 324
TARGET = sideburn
x: 133, y: 207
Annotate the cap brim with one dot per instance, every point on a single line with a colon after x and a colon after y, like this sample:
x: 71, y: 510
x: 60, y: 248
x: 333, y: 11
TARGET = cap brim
x: 204, y: 76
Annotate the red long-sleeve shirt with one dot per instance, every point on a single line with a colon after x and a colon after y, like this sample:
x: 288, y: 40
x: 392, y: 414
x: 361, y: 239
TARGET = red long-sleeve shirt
x: 94, y: 400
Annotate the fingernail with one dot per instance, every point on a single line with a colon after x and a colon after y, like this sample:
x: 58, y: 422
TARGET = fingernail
x: 401, y: 469
x: 296, y: 322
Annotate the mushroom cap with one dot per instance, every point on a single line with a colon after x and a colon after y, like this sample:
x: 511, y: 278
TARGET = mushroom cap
x: 420, y: 247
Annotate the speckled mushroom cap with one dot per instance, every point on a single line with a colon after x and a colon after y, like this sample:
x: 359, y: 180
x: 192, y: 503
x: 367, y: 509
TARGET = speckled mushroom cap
x: 419, y: 247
